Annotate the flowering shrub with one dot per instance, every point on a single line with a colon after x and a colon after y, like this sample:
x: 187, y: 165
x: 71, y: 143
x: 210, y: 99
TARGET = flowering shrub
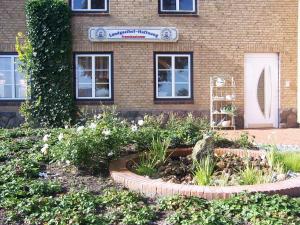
x: 90, y: 147
x: 146, y: 130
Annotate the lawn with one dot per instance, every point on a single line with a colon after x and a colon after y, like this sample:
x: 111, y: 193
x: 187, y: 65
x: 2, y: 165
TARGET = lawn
x: 39, y: 186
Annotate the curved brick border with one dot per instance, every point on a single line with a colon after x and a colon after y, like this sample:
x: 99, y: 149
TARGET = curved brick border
x: 156, y: 187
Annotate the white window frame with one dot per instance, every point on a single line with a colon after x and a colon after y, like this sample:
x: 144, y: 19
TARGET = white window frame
x: 177, y: 7
x: 93, y: 76
x: 13, y: 76
x: 89, y: 7
x: 173, y: 70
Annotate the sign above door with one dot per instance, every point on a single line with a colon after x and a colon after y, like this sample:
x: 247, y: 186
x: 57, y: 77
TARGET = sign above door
x: 133, y: 34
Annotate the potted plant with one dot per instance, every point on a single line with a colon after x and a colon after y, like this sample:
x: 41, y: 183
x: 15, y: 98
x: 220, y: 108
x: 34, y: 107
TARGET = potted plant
x: 229, y: 109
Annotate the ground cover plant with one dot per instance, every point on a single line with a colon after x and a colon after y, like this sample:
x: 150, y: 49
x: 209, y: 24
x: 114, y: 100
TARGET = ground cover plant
x: 258, y: 209
x: 37, y: 188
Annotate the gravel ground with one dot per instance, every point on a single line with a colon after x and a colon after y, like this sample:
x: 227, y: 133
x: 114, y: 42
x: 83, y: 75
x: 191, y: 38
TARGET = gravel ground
x: 282, y: 147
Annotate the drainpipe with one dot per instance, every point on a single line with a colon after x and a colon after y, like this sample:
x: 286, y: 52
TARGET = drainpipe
x: 298, y: 65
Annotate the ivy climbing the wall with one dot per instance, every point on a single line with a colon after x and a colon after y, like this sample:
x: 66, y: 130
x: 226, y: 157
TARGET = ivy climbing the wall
x: 45, y: 55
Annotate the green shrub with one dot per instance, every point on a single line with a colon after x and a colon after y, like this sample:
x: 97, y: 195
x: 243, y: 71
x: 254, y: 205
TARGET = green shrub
x: 204, y: 171
x: 92, y: 146
x: 272, y: 156
x: 290, y: 160
x: 283, y: 160
x: 186, y: 130
x: 251, y: 176
x: 45, y: 57
x: 145, y: 168
x: 244, y: 141
x: 150, y: 127
x: 156, y: 155
x: 181, y: 131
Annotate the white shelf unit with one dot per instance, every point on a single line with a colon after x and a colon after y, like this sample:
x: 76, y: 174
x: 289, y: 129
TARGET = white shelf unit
x: 222, y: 94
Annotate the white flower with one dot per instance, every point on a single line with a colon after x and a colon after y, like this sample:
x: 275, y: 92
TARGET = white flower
x: 34, y: 54
x: 66, y: 126
x: 99, y: 116
x: 60, y: 136
x: 43, y: 175
x: 106, y: 132
x: 141, y: 122
x: 134, y: 128
x: 110, y: 154
x: 68, y: 162
x: 79, y: 129
x: 44, y: 150
x: 46, y: 137
x: 93, y: 126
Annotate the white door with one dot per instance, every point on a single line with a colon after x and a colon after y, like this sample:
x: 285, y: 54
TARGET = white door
x: 261, y: 90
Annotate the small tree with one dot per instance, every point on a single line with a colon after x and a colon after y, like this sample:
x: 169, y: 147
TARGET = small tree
x: 45, y: 56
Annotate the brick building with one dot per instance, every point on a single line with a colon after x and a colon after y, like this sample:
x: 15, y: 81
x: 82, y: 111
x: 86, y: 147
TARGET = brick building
x: 159, y: 55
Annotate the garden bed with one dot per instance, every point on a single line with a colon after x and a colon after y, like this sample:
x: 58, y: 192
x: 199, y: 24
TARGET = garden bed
x: 121, y: 173
x: 37, y: 189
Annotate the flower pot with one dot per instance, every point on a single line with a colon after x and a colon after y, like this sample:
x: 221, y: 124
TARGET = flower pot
x: 226, y: 123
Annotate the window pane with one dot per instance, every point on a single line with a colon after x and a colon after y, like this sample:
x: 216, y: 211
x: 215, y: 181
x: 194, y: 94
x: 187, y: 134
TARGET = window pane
x: 101, y: 63
x: 80, y: 4
x: 17, y: 63
x: 186, y: 5
x: 182, y: 90
x: 102, y: 90
x: 5, y: 63
x: 20, y: 78
x: 102, y: 77
x: 164, y: 89
x: 20, y: 91
x: 6, y: 91
x: 98, y: 4
x: 169, y: 4
x: 5, y: 77
x: 85, y: 90
x: 182, y: 76
x: 85, y: 76
x: 164, y: 62
x: 181, y: 63
x: 164, y: 76
x: 84, y: 63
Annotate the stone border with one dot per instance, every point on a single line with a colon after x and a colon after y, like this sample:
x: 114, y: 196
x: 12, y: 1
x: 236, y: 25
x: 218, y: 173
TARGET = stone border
x: 156, y: 187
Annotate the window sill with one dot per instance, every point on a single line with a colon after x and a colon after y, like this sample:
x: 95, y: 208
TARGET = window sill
x: 173, y: 101
x: 94, y: 102
x: 87, y: 13
x: 11, y: 102
x: 179, y: 14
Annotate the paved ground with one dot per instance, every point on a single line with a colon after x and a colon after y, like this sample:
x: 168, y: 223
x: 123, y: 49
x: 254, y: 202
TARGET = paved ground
x: 268, y: 136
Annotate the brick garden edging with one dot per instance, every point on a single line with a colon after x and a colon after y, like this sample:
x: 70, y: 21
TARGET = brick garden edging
x: 156, y: 187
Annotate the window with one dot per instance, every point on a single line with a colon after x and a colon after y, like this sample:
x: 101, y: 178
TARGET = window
x: 173, y: 76
x: 177, y: 6
x: 12, y: 82
x: 94, y: 76
x: 90, y: 5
